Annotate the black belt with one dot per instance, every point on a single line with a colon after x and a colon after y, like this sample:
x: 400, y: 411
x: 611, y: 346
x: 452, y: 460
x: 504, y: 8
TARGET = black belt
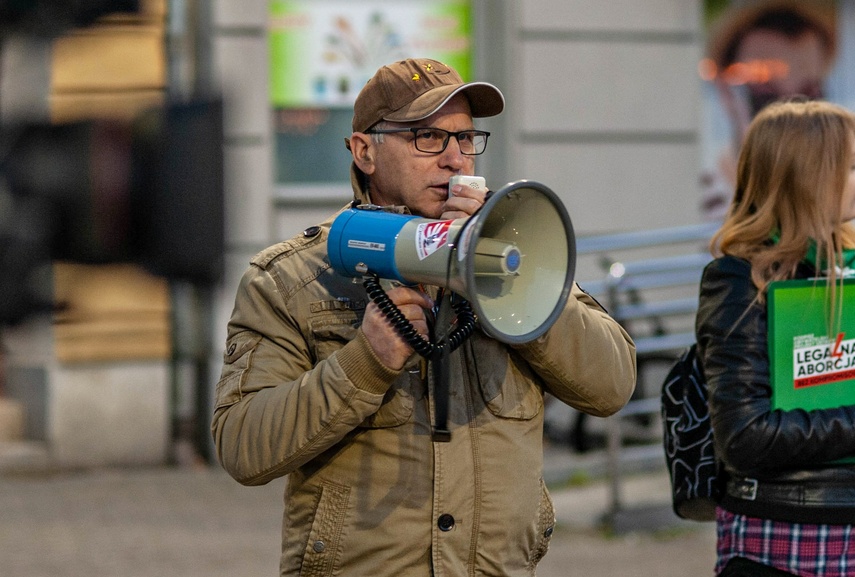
x: 796, y: 493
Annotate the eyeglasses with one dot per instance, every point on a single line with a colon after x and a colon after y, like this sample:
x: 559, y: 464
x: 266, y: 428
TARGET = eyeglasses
x: 434, y: 140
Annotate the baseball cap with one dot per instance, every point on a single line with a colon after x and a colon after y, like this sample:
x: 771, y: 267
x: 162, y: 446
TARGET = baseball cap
x: 413, y: 89
x: 790, y: 17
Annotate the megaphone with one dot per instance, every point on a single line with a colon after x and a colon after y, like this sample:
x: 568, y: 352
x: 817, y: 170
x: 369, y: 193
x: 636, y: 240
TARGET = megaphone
x: 514, y: 259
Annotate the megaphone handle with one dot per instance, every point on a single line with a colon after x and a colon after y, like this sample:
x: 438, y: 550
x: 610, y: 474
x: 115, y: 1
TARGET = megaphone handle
x: 429, y: 351
x: 404, y: 327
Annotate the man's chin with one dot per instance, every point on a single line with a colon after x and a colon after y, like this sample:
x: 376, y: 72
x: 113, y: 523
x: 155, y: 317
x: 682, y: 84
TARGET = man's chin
x: 433, y: 211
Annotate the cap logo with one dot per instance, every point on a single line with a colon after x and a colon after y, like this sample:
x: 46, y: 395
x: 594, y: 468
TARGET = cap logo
x: 429, y: 68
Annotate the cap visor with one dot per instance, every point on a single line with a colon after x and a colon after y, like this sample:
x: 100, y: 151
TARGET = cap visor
x: 484, y: 100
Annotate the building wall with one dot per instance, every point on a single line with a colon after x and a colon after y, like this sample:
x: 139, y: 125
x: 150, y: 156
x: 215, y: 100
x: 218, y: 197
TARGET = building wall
x: 239, y: 43
x: 604, y: 108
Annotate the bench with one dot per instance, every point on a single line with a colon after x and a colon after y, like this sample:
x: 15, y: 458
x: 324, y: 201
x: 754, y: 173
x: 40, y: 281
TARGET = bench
x: 648, y: 281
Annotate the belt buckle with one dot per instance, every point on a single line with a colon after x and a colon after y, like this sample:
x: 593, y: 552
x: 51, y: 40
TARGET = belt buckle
x: 748, y: 489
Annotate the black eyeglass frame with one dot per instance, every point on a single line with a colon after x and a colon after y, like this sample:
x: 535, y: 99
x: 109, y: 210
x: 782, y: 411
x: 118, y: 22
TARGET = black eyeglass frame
x: 448, y: 135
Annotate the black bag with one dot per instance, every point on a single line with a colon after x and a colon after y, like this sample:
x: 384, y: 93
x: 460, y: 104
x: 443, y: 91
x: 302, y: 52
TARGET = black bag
x: 688, y: 439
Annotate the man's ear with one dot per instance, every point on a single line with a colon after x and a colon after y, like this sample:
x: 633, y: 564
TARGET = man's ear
x: 362, y: 149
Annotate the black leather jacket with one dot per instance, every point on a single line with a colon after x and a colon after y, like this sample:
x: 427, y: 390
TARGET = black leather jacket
x: 777, y: 462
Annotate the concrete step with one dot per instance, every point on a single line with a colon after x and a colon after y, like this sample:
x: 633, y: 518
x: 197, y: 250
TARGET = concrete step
x: 11, y: 420
x: 24, y: 457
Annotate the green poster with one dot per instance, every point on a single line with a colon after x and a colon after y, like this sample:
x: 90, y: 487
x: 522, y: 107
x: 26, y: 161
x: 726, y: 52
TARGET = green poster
x: 323, y: 51
x: 810, y: 369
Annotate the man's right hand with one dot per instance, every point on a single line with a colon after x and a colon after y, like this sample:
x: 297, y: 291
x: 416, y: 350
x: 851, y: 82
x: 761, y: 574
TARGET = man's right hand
x: 392, y: 350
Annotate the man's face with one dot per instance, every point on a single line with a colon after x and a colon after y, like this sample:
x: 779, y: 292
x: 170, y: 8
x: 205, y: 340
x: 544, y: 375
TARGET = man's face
x: 797, y: 66
x: 401, y: 175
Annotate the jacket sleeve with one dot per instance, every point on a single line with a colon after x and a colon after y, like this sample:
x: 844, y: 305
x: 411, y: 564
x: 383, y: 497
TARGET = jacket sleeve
x: 586, y: 358
x: 275, y: 408
x: 732, y: 339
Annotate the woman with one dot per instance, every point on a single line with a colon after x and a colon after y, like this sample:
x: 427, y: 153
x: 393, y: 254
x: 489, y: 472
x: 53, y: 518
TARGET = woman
x: 787, y: 509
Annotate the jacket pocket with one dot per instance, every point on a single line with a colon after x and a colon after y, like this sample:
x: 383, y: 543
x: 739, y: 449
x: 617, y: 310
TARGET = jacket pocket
x: 236, y: 360
x: 397, y: 406
x: 322, y: 548
x: 545, y: 527
x: 507, y: 384
x: 330, y: 330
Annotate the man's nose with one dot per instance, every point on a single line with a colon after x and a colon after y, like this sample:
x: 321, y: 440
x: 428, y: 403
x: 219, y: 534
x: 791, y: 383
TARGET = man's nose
x: 452, y: 155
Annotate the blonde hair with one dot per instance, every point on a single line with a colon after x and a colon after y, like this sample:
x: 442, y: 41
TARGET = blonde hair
x: 792, y: 171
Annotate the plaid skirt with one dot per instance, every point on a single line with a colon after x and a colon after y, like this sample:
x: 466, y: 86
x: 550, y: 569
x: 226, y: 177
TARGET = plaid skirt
x: 798, y: 548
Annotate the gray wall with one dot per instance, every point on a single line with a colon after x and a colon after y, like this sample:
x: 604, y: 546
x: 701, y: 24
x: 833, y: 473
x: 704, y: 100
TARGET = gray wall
x: 604, y: 107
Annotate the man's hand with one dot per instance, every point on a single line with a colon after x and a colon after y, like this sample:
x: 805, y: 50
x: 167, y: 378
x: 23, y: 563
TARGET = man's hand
x: 388, y: 345
x: 462, y: 202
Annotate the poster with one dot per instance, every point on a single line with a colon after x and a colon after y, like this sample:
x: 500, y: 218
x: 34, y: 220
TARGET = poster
x: 321, y: 54
x: 808, y: 367
x: 758, y: 51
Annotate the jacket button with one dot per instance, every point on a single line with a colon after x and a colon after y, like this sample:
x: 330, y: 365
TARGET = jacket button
x: 319, y: 547
x: 312, y: 231
x: 548, y: 532
x: 445, y: 522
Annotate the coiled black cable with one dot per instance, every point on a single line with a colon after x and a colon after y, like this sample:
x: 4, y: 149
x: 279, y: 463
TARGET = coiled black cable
x: 428, y: 350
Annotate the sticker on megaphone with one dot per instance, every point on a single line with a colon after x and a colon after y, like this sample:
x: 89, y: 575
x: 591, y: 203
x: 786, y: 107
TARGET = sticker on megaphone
x: 473, y: 182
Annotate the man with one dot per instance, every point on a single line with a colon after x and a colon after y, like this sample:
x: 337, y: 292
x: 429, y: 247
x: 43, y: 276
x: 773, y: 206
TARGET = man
x: 757, y: 54
x: 318, y: 386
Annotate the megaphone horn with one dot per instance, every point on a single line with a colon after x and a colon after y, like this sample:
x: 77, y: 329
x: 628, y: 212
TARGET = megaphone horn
x: 514, y: 260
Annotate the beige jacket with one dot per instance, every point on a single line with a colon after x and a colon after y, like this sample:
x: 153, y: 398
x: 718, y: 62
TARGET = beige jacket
x: 369, y: 493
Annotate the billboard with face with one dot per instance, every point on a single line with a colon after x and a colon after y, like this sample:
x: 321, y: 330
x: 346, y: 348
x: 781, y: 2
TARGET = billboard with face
x: 757, y: 52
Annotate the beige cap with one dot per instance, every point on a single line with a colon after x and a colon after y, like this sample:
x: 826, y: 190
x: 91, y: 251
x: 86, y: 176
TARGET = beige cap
x: 791, y: 17
x: 413, y: 89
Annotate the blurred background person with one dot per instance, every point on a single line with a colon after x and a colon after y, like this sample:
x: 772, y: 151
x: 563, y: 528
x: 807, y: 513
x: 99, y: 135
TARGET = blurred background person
x: 757, y: 53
